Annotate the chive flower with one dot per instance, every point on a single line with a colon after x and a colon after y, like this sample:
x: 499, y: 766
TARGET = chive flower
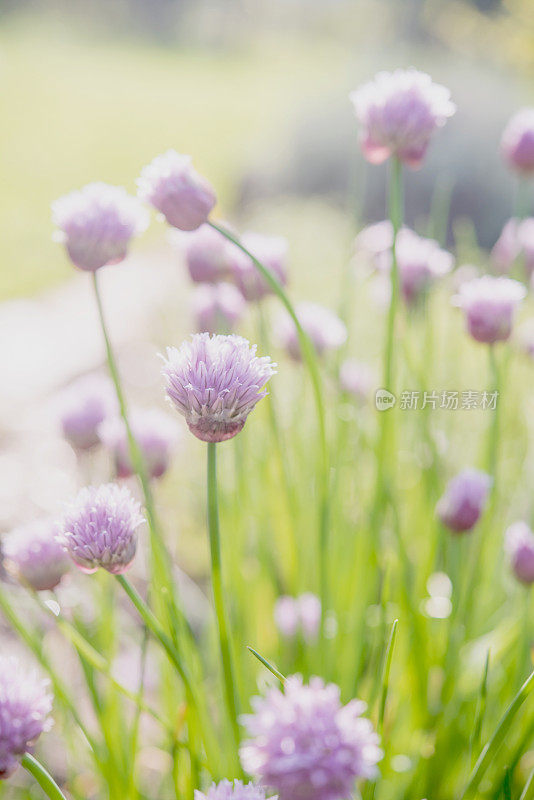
x: 398, y: 113
x: 174, y: 188
x: 356, y: 378
x: 25, y: 706
x: 97, y: 223
x: 323, y: 326
x: 215, y: 382
x: 298, y: 615
x: 33, y: 555
x: 99, y: 528
x: 155, y: 433
x: 464, y: 500
x: 517, y: 143
x: 209, y: 256
x: 519, y: 547
x: 271, y: 251
x: 82, y: 407
x: 489, y: 305
x: 217, y: 307
x: 236, y: 790
x: 305, y: 744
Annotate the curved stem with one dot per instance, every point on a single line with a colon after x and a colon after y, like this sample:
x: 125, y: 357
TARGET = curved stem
x: 310, y: 358
x: 218, y: 593
x: 43, y: 777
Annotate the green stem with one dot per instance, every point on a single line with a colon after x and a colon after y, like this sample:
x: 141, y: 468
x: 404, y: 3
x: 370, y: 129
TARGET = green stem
x: 310, y: 358
x: 43, y: 777
x: 493, y: 444
x: 492, y: 747
x: 218, y: 593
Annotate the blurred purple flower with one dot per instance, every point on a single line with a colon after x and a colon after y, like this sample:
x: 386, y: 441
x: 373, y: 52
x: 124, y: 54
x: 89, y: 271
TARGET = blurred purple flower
x: 99, y: 528
x: 215, y: 382
x: 96, y: 224
x: 506, y: 249
x: 32, y: 554
x: 298, y: 614
x: 155, y: 433
x: 489, y: 306
x: 517, y: 143
x: 305, y: 744
x: 325, y: 329
x: 236, y: 790
x: 209, y: 256
x: 217, y: 307
x: 464, y: 500
x: 174, y: 188
x: 398, y: 113
x: 82, y: 406
x: 519, y: 547
x: 356, y: 378
x: 25, y: 705
x: 271, y: 251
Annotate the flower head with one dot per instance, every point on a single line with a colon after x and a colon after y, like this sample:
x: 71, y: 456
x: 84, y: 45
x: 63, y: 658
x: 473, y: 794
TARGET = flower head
x: 96, y: 224
x: 99, y: 528
x: 217, y: 307
x: 489, y: 305
x: 236, y: 790
x: 325, y: 329
x: 209, y: 256
x: 33, y: 555
x: 398, y: 113
x: 155, y: 433
x: 305, y: 744
x: 464, y: 500
x: 174, y: 188
x: 215, y: 382
x: 519, y: 547
x: 298, y: 615
x: 517, y: 143
x: 25, y: 705
x: 271, y: 251
x: 356, y: 378
x: 82, y: 406
x: 506, y: 249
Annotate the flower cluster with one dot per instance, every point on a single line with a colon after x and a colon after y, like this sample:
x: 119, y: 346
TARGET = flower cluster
x: 83, y: 406
x: 305, y: 743
x: 25, y: 706
x: 217, y: 307
x: 324, y: 328
x: 99, y: 528
x: 489, y: 306
x: 517, y: 143
x: 519, y: 547
x: 33, y: 555
x: 298, y: 615
x: 226, y: 790
x: 464, y: 499
x: 398, y: 113
x: 97, y: 223
x: 215, y: 382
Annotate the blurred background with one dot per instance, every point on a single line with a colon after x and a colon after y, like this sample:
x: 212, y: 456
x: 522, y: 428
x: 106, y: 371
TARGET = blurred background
x: 257, y: 93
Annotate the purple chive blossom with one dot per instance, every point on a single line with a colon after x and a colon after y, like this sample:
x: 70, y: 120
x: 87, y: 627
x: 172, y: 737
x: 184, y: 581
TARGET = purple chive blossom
x: 174, y: 188
x: 517, y: 143
x: 301, y: 614
x: 25, y: 705
x: 324, y: 328
x: 519, y: 547
x: 154, y: 431
x: 82, y: 406
x: 271, y: 251
x: 99, y: 529
x: 97, y: 223
x: 209, y: 256
x: 420, y: 261
x: 226, y: 790
x: 464, y: 500
x: 525, y: 236
x: 305, y: 744
x: 217, y: 307
x: 33, y: 555
x: 356, y: 378
x: 506, y: 249
x: 215, y: 382
x: 398, y: 113
x: 489, y: 306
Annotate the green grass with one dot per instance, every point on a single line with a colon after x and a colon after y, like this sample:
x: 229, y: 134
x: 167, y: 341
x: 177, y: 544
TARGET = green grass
x: 80, y: 111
